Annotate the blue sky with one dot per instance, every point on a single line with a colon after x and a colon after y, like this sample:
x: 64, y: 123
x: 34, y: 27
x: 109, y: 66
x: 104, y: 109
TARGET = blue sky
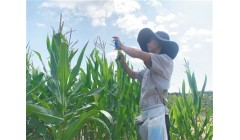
x: 189, y: 23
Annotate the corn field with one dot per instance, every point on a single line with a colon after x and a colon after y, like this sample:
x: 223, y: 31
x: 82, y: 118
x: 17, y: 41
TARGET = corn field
x: 101, y: 101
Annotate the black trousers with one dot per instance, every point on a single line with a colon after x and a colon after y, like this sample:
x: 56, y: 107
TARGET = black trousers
x: 167, y: 121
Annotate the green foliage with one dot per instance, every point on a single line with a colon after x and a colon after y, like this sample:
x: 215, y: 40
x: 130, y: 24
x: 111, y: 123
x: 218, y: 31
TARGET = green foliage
x: 120, y: 96
x: 59, y: 103
x: 189, y: 120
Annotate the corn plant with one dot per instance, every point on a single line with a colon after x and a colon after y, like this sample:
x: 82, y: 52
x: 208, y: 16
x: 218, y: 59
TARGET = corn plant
x: 120, y: 96
x: 188, y: 118
x: 34, y: 87
x: 60, y: 107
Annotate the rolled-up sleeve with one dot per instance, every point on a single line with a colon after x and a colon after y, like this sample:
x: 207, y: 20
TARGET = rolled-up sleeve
x: 139, y: 75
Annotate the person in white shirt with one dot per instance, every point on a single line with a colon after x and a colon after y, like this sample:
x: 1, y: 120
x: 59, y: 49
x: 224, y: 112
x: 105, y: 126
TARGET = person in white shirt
x: 157, y: 52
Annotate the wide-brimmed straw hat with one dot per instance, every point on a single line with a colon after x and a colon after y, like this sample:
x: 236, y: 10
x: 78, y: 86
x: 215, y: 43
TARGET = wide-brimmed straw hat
x: 167, y: 46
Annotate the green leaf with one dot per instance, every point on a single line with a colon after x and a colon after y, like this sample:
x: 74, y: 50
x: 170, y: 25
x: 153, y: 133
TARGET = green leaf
x: 54, y: 61
x: 201, y: 95
x: 107, y: 115
x: 44, y: 114
x: 94, y: 92
x: 40, y: 58
x: 76, y: 89
x: 76, y: 68
x: 85, y: 108
x: 38, y: 77
x: 49, y: 47
x: 42, y: 102
x: 63, y: 67
x: 53, y: 67
x: 90, y: 93
x: 54, y: 88
x: 40, y: 84
x: 209, y: 134
x: 204, y: 85
x: 72, y: 53
x: 40, y: 128
x: 183, y: 88
x: 206, y: 121
x: 73, y: 127
x: 101, y: 122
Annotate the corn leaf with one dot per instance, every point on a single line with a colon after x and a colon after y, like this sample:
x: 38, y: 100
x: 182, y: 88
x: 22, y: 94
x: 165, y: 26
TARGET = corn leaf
x: 44, y: 114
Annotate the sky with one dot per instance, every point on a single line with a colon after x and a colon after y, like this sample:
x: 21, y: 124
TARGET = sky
x: 189, y: 23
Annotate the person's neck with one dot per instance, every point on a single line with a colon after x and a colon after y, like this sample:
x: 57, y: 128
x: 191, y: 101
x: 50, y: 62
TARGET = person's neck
x: 156, y: 51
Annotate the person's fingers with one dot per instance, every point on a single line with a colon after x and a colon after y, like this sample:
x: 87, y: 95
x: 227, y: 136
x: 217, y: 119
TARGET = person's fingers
x: 120, y: 57
x: 120, y: 53
x: 115, y: 37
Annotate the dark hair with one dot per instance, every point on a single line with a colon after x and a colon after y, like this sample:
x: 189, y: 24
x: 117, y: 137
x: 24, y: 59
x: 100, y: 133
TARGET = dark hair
x: 159, y: 45
x: 163, y: 49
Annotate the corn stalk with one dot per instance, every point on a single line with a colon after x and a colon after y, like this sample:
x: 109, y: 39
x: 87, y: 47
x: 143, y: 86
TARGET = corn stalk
x: 187, y: 116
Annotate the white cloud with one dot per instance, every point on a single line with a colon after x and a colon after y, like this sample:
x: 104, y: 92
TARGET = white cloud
x: 131, y: 24
x: 197, y: 32
x: 181, y: 55
x: 41, y: 25
x: 125, y: 7
x: 184, y: 39
x: 184, y: 48
x: 173, y: 33
x: 99, y: 21
x: 173, y: 25
x: 183, y: 51
x: 154, y: 3
x: 160, y: 27
x: 167, y: 18
x: 111, y: 56
x: 47, y: 4
x: 128, y: 18
x: 73, y: 4
x: 168, y: 23
x: 48, y: 13
x: 197, y: 45
x: 208, y: 40
x: 194, y: 33
x: 98, y: 11
x: 193, y: 39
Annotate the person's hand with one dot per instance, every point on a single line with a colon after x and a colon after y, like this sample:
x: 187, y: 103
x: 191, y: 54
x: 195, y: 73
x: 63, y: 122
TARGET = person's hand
x: 120, y: 45
x: 120, y: 57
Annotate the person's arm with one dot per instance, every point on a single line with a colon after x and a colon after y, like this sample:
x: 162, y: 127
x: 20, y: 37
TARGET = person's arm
x: 135, y: 53
x: 126, y: 67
